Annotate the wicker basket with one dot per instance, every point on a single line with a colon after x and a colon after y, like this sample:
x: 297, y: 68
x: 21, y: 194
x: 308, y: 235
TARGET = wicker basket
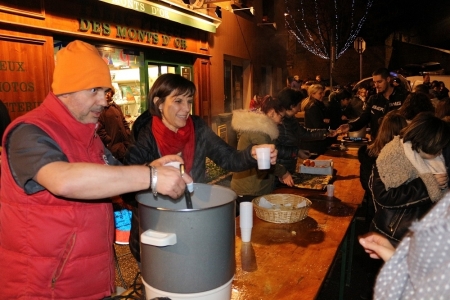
x: 290, y: 215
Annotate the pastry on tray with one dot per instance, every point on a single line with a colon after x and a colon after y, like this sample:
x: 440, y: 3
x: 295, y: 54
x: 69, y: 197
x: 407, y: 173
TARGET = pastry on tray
x: 311, y: 181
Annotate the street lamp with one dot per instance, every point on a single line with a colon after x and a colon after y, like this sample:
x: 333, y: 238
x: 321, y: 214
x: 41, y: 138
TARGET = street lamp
x: 252, y: 10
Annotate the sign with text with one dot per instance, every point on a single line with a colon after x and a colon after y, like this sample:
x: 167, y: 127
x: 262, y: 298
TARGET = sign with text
x: 154, y: 9
x: 360, y: 45
x: 24, y: 80
x: 132, y: 34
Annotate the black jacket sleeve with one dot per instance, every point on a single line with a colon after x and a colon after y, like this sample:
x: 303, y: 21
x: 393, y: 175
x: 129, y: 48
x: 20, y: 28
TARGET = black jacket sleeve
x: 314, y: 117
x: 365, y: 167
x: 221, y: 153
x: 413, y: 193
x: 286, y: 152
x: 364, y: 118
x: 335, y: 115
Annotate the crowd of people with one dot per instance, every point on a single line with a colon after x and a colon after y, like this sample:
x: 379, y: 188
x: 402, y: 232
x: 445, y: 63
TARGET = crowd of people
x: 404, y: 172
x: 404, y: 168
x: 65, y: 160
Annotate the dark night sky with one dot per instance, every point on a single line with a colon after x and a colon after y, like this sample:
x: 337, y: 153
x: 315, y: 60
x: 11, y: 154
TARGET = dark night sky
x: 423, y: 17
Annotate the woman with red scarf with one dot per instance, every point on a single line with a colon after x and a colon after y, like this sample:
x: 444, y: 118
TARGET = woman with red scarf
x: 168, y: 128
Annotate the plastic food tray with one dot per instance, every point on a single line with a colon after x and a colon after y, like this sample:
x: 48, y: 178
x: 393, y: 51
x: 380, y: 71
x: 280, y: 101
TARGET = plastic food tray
x: 322, y: 167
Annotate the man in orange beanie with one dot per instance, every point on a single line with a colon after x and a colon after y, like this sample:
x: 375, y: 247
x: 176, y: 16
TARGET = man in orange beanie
x: 56, y: 218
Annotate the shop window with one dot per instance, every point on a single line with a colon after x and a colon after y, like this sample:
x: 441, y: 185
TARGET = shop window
x: 157, y: 69
x: 126, y: 79
x: 233, y: 86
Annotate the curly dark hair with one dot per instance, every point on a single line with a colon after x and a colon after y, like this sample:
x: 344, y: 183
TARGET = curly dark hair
x: 414, y: 104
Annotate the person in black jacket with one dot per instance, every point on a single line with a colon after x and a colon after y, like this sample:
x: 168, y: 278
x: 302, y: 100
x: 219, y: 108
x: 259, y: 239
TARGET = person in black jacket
x: 358, y: 101
x: 407, y: 177
x: 168, y: 127
x: 391, y: 126
x: 316, y: 116
x: 386, y: 99
x: 341, y: 112
x: 114, y: 129
x: 292, y: 133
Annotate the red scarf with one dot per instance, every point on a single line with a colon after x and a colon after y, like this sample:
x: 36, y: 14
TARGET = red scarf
x: 170, y: 142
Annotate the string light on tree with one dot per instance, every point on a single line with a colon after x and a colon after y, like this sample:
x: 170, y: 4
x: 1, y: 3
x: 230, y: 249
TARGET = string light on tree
x: 313, y: 23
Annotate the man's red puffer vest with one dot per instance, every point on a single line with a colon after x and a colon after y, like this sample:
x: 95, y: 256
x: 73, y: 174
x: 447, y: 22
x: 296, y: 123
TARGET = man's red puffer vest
x: 50, y: 247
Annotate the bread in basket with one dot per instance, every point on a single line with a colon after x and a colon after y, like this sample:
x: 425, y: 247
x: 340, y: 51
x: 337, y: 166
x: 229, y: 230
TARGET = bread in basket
x: 285, y: 208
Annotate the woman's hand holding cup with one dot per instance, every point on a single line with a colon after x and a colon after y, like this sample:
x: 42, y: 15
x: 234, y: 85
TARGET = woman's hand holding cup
x: 272, y: 152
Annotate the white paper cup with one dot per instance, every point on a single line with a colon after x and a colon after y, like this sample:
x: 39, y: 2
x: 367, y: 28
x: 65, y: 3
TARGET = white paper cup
x: 330, y: 190
x: 263, y: 157
x: 246, y: 214
x: 190, y: 187
x: 174, y: 164
x: 246, y: 234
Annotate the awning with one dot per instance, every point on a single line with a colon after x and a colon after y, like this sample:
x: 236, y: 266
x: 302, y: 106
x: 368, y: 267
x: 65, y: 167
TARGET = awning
x: 171, y: 11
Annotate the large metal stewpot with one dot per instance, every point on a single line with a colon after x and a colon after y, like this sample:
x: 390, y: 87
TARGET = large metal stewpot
x: 188, y: 250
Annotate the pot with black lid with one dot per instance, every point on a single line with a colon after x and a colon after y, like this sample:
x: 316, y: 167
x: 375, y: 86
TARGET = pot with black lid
x: 188, y: 253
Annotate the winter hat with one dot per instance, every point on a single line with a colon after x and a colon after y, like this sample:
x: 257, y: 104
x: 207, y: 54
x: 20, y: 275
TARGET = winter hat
x: 79, y: 66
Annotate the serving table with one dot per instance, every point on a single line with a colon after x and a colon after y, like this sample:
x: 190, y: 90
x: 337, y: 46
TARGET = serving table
x: 291, y: 261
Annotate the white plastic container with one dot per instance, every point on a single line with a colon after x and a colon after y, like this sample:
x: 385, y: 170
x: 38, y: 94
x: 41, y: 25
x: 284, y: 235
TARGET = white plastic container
x: 321, y: 167
x: 221, y: 293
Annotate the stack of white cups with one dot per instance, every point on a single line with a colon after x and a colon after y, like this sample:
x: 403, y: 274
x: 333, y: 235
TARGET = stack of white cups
x: 246, y: 220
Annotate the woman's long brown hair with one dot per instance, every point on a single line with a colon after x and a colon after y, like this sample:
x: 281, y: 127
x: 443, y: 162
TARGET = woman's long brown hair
x: 391, y: 126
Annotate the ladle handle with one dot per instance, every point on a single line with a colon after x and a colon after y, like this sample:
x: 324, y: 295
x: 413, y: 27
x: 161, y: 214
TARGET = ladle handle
x: 187, y: 194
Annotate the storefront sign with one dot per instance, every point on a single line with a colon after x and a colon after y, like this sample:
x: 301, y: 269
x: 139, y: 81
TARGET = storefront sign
x: 24, y: 73
x: 131, y: 34
x: 15, y: 87
x: 188, y: 18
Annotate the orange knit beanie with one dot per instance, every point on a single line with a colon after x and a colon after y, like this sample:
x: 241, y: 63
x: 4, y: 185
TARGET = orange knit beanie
x: 79, y: 66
